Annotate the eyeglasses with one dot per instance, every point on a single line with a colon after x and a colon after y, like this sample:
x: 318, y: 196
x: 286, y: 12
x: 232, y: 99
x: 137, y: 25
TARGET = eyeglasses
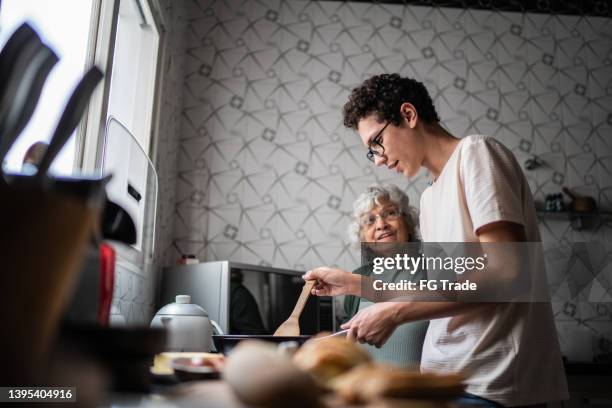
x: 390, y: 214
x: 376, y: 149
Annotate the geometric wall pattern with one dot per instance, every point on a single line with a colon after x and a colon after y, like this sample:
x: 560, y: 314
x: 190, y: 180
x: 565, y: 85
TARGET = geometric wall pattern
x: 267, y: 174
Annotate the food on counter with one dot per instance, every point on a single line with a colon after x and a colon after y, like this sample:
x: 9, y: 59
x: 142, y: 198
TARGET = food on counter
x: 370, y: 382
x: 329, y: 357
x: 261, y: 376
x: 197, y: 368
x: 162, y: 363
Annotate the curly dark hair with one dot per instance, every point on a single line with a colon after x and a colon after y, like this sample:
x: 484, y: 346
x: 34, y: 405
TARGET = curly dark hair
x: 383, y: 95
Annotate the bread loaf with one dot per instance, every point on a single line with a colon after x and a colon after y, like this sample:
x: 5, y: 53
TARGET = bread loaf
x: 327, y: 358
x: 374, y: 381
x: 261, y: 376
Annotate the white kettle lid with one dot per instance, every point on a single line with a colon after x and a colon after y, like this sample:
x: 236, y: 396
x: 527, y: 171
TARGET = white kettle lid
x: 182, y: 307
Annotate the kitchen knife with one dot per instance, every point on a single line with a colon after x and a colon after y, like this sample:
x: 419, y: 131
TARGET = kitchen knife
x: 31, y: 76
x: 70, y: 117
x: 336, y: 334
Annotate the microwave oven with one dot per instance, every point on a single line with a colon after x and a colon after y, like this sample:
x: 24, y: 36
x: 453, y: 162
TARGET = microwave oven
x: 246, y: 299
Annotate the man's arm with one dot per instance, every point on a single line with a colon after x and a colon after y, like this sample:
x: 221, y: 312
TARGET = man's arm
x: 371, y: 328
x: 501, y: 231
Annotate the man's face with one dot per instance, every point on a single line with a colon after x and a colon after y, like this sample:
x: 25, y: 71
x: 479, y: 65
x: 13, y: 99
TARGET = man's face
x: 403, y: 151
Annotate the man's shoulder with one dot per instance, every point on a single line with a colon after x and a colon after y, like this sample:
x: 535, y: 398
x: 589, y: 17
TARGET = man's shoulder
x: 472, y: 141
x: 484, y: 144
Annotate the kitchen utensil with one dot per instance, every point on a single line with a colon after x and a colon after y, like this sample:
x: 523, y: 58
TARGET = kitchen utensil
x: 23, y: 92
x: 70, y: 117
x: 336, y: 334
x: 10, y: 54
x: 225, y: 343
x: 291, y: 326
x: 583, y: 204
x: 189, y: 327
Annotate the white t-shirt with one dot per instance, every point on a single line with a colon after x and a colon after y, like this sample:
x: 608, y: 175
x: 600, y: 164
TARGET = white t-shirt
x: 511, y: 352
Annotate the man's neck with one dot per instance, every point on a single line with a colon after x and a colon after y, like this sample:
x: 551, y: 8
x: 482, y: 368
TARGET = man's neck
x: 440, y: 145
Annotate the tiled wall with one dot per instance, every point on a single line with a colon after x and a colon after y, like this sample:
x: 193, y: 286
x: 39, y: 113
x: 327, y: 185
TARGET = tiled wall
x: 267, y: 174
x: 135, y: 289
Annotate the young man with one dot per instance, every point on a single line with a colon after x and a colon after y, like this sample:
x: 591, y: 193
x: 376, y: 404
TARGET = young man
x: 478, y: 194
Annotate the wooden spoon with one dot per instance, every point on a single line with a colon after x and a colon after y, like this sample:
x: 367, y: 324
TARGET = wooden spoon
x: 291, y: 326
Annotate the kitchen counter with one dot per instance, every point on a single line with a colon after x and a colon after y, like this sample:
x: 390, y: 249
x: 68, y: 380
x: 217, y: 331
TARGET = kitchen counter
x: 200, y: 394
x: 217, y: 394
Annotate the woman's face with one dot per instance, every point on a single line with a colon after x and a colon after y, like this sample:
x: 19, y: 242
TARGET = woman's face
x: 383, y: 223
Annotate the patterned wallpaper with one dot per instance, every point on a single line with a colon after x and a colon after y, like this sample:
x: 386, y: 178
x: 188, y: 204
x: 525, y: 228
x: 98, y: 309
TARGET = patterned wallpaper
x: 267, y: 173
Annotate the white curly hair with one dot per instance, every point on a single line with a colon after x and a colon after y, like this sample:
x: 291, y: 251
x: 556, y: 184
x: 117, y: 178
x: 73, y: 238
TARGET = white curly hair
x: 373, y: 197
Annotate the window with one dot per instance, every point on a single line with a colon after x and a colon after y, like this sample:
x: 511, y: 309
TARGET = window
x: 122, y: 38
x: 130, y: 117
x: 134, y: 67
x: 64, y: 25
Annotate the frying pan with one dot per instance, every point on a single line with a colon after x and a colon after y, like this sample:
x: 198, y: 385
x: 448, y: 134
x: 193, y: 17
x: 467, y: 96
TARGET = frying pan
x: 225, y: 343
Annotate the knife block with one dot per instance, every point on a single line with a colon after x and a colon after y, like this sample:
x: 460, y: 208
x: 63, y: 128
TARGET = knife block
x: 43, y: 239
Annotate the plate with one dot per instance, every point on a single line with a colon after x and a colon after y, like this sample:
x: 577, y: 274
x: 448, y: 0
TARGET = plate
x: 195, y: 368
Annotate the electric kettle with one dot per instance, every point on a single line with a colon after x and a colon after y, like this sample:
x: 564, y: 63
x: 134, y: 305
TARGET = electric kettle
x: 188, y: 325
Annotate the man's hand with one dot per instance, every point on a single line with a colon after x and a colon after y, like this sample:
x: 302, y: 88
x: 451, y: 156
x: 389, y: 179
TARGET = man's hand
x: 375, y: 324
x: 333, y: 281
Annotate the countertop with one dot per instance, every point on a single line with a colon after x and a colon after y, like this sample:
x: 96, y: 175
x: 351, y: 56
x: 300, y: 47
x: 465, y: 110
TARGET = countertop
x: 217, y: 394
x: 201, y: 394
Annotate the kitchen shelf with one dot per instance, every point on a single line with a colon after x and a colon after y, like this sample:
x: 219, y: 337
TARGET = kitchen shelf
x: 578, y: 220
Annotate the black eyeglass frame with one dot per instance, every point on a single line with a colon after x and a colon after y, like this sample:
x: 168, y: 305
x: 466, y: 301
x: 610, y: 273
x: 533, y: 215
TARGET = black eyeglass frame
x: 376, y: 141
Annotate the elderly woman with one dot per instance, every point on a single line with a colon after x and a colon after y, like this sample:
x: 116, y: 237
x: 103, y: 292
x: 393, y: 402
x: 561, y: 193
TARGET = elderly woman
x: 382, y: 214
